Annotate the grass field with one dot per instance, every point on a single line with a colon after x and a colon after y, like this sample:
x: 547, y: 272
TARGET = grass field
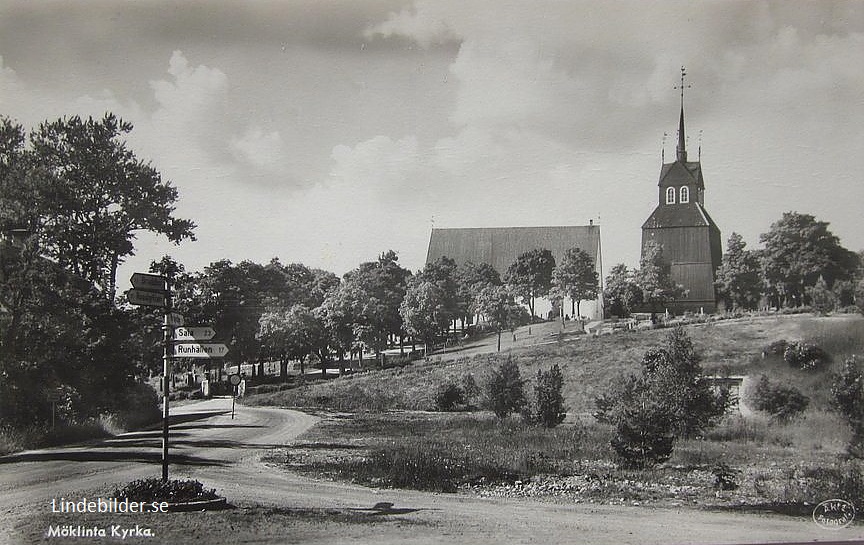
x: 388, y: 436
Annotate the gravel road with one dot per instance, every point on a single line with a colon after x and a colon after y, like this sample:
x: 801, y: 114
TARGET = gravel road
x: 274, y: 506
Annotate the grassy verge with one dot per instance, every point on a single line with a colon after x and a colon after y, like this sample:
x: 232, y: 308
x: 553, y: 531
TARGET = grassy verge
x: 480, y: 455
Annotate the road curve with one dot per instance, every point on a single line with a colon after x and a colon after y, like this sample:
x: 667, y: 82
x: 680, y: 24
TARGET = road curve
x: 207, y: 444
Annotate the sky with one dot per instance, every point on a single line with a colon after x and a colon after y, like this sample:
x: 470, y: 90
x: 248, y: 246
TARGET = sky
x: 328, y: 132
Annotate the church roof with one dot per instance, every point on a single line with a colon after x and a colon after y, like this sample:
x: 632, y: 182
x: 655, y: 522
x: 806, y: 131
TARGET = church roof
x: 680, y: 173
x: 500, y: 246
x: 679, y: 215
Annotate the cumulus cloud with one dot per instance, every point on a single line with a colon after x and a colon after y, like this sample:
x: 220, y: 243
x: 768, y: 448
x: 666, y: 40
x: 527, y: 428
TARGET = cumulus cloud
x: 259, y: 149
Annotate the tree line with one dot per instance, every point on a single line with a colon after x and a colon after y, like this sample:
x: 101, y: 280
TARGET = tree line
x: 801, y: 263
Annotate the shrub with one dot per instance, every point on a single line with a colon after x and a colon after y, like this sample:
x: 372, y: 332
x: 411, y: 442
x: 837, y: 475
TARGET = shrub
x: 805, y: 356
x: 547, y: 407
x: 725, y: 477
x: 172, y: 491
x: 847, y: 398
x: 505, y: 392
x: 822, y: 299
x: 781, y: 402
x: 776, y: 348
x: 449, y: 396
x: 470, y: 389
x: 643, y: 435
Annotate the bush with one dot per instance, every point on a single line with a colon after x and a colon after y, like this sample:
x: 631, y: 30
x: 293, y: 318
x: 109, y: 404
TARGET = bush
x: 781, y: 402
x: 172, y: 491
x: 505, y: 391
x: 547, y: 407
x: 470, y: 389
x: 643, y: 435
x: 847, y: 398
x: 776, y: 348
x: 449, y: 397
x: 805, y: 356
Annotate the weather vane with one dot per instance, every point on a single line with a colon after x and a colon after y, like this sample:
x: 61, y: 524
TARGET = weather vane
x: 682, y: 86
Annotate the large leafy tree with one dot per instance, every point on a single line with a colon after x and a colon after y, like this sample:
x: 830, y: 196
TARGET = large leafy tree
x: 470, y: 279
x: 497, y: 304
x: 739, y: 281
x: 576, y: 277
x: 95, y: 194
x: 798, y: 249
x: 291, y: 334
x: 654, y: 278
x: 621, y: 293
x: 424, y: 310
x: 530, y: 276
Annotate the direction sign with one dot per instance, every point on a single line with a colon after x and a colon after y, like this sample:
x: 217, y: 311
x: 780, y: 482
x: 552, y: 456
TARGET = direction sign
x: 149, y: 282
x: 199, y: 350
x: 146, y: 298
x: 174, y: 319
x: 194, y: 333
x: 235, y: 380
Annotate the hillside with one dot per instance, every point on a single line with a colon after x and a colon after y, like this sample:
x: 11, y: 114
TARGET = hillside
x: 589, y: 363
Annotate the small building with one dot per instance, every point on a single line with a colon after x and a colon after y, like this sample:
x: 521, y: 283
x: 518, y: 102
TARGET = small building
x: 500, y: 246
x: 689, y: 237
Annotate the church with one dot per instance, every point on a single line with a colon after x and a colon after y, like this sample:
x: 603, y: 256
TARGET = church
x: 500, y: 246
x: 689, y: 237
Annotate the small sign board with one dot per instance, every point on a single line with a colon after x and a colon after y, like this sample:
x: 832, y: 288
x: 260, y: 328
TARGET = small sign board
x: 149, y: 282
x: 174, y: 319
x: 146, y: 298
x: 194, y: 333
x: 199, y: 350
x: 235, y: 380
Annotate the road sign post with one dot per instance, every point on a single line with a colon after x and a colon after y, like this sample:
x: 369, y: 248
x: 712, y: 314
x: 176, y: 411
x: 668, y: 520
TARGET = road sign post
x: 153, y: 290
x: 235, y: 381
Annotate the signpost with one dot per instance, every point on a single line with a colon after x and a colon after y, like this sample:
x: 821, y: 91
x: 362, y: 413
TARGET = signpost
x: 235, y: 381
x: 147, y: 298
x: 194, y: 333
x: 199, y: 350
x: 153, y: 290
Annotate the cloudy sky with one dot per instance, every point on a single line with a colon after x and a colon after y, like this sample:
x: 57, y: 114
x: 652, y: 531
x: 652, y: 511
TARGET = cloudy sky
x: 328, y: 132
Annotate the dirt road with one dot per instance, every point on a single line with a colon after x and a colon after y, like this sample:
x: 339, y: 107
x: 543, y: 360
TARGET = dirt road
x: 273, y: 506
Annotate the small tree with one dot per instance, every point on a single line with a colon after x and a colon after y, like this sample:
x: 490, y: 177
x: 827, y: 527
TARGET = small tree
x: 576, y: 277
x: 781, y: 402
x: 547, y: 407
x: 505, y: 389
x: 530, y: 276
x: 622, y: 293
x: 498, y: 306
x: 654, y: 277
x: 847, y: 398
x: 822, y: 299
x: 739, y: 283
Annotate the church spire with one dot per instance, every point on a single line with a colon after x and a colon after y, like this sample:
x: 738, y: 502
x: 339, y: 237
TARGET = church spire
x: 681, y: 150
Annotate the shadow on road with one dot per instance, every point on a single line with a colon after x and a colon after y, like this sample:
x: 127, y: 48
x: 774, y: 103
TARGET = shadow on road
x: 108, y: 456
x: 383, y: 508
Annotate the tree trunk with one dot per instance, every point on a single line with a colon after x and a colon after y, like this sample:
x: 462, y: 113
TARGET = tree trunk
x: 283, y: 368
x: 499, y: 340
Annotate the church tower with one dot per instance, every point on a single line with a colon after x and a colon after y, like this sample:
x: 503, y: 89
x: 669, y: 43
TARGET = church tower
x: 680, y: 223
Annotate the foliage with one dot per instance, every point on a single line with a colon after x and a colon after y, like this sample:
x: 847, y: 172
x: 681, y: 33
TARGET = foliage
x: 292, y: 333
x: 424, y: 309
x: 738, y: 278
x: 470, y: 280
x: 654, y: 277
x: 449, y: 396
x: 798, y: 249
x: 94, y: 194
x: 847, y: 398
x: 859, y: 295
x: 498, y: 306
x: 822, y: 300
x: 621, y: 293
x: 547, y: 406
x: 781, y: 402
x: 669, y: 399
x: 576, y: 277
x: 530, y: 276
x: 805, y: 356
x: 171, y: 491
x: 505, y: 389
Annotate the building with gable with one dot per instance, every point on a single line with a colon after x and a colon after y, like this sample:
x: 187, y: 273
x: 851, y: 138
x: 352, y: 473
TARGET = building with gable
x: 500, y: 246
x: 689, y: 237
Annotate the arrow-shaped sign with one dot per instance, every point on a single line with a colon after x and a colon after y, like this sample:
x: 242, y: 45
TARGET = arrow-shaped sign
x: 149, y: 282
x: 194, y: 333
x: 146, y: 298
x: 199, y: 350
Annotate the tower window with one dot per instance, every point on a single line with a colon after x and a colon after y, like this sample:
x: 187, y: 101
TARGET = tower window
x: 685, y: 194
x: 670, y: 195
